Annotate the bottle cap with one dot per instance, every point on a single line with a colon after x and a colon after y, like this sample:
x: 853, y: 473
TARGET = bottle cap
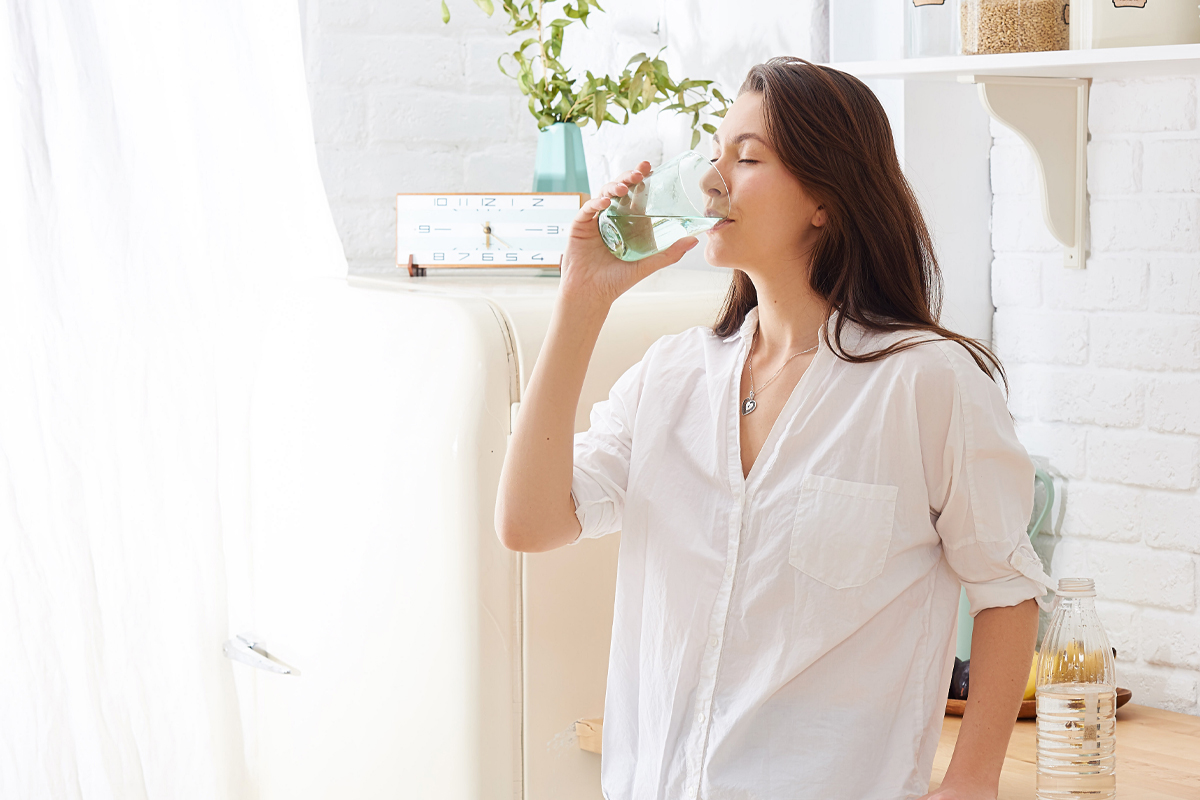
x: 1077, y: 587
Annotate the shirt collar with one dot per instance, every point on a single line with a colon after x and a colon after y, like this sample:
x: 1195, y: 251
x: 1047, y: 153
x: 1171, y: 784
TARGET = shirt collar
x: 747, y: 329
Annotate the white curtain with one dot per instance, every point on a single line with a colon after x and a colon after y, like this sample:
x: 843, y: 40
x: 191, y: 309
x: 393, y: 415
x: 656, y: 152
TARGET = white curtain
x: 158, y: 188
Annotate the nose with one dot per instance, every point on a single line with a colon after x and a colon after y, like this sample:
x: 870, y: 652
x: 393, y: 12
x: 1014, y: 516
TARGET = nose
x: 716, y: 193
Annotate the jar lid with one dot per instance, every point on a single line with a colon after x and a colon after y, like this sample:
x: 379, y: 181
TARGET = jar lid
x: 1077, y: 587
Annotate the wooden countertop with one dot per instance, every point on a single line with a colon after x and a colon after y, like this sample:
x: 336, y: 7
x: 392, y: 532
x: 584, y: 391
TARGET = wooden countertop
x: 1158, y: 754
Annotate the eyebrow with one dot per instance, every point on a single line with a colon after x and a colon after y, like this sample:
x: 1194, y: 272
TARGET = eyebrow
x: 741, y: 137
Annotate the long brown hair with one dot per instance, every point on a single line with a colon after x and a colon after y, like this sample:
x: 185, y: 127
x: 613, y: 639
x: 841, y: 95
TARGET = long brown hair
x: 873, y: 261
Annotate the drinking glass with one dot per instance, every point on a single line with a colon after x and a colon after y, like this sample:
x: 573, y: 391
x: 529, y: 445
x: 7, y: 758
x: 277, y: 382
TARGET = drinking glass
x: 682, y: 197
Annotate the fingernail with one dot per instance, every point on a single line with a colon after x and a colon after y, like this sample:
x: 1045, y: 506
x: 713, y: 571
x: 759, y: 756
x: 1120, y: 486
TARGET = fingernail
x: 692, y: 244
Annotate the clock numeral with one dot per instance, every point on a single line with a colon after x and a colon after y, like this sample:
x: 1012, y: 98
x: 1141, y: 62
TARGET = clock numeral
x: 510, y: 256
x: 424, y: 229
x: 488, y: 257
x: 537, y: 257
x: 442, y: 201
x: 439, y: 256
x: 538, y: 202
x: 463, y: 256
x: 552, y: 230
x: 489, y: 201
x: 462, y: 201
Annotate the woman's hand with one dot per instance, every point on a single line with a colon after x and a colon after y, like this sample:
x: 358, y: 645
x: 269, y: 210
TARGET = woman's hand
x: 592, y: 274
x: 964, y: 793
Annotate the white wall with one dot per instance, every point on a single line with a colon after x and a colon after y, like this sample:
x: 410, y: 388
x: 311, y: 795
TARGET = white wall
x: 403, y: 103
x: 1105, y: 371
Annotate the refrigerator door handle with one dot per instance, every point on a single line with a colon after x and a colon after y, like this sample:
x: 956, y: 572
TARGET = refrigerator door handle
x: 246, y: 648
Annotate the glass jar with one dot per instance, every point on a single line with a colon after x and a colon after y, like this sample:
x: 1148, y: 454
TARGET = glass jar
x: 931, y: 28
x: 1014, y: 26
x: 1133, y: 23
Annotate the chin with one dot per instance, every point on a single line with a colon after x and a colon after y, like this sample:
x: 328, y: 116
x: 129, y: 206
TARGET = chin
x: 718, y: 254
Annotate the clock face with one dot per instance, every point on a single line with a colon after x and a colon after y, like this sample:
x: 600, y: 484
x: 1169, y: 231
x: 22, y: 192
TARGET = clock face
x: 483, y: 230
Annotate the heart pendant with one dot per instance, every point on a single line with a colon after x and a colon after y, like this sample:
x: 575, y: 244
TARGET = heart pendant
x: 748, y: 406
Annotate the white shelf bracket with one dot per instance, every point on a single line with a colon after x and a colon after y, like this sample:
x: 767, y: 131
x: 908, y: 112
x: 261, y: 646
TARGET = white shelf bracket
x: 1050, y: 115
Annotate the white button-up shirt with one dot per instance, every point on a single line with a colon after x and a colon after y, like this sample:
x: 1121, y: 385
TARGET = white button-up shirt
x: 791, y: 634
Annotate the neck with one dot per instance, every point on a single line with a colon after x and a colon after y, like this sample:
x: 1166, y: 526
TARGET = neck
x: 790, y: 314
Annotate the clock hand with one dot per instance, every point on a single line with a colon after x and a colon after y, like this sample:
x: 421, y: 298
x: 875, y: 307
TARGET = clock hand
x: 487, y: 232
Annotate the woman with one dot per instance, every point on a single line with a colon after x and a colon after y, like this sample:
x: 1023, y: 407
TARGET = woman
x: 801, y: 489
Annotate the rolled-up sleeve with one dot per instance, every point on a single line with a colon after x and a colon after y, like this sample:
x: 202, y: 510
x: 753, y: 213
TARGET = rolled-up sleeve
x: 600, y: 473
x: 980, y: 481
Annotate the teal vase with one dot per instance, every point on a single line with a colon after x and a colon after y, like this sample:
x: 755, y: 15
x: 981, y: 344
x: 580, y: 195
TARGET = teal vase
x: 559, y: 166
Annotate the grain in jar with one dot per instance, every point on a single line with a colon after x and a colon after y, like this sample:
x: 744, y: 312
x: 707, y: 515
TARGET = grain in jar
x: 1013, y: 26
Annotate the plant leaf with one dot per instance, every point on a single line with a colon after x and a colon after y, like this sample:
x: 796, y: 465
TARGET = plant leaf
x: 649, y: 89
x: 695, y: 140
x: 486, y: 5
x: 500, y: 65
x: 445, y: 13
x: 635, y: 86
x: 709, y: 128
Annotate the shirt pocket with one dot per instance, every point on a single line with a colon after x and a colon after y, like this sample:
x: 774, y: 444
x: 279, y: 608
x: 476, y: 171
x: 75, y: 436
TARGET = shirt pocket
x: 842, y: 530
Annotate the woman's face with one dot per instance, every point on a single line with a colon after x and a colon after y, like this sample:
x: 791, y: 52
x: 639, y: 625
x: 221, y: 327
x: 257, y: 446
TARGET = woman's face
x: 771, y: 218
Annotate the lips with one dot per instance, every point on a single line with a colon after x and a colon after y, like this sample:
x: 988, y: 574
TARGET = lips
x: 720, y: 225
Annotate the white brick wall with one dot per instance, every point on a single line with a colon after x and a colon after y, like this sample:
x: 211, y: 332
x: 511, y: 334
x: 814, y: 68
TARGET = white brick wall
x: 1105, y: 371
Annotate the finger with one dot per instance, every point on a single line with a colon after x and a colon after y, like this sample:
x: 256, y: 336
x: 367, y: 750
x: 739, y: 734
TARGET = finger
x: 667, y: 257
x: 636, y: 175
x: 591, y: 208
x: 614, y: 189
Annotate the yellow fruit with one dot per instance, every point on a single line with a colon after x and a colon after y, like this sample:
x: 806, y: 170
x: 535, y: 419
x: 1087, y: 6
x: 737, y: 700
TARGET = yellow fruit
x: 1073, y: 664
x: 1031, y: 684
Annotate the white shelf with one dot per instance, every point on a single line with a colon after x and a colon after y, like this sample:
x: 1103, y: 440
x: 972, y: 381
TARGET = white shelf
x: 1043, y: 97
x: 1113, y: 62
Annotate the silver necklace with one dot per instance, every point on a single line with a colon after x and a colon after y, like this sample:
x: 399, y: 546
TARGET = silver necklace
x: 748, y: 404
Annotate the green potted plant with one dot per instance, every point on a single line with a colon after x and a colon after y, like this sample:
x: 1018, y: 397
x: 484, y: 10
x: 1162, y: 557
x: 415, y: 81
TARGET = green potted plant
x: 562, y: 104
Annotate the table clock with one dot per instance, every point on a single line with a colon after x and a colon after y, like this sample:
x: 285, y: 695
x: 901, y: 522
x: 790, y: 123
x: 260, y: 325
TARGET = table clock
x: 481, y: 230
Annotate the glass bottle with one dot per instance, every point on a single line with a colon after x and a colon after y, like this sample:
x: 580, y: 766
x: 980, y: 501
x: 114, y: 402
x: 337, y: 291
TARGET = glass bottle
x: 1133, y: 23
x: 1076, y: 700
x: 931, y: 28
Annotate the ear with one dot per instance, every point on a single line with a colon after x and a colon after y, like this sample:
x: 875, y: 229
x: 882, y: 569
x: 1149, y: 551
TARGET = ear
x: 819, y: 217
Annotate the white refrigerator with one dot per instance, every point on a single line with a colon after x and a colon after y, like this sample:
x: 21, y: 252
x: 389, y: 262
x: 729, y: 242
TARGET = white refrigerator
x: 432, y: 662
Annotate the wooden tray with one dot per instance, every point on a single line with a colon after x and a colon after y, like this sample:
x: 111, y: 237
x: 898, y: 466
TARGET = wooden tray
x: 1028, y: 707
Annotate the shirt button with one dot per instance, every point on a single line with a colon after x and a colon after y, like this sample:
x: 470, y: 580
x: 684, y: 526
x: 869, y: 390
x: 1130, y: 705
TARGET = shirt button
x: 713, y: 641
x: 700, y: 717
